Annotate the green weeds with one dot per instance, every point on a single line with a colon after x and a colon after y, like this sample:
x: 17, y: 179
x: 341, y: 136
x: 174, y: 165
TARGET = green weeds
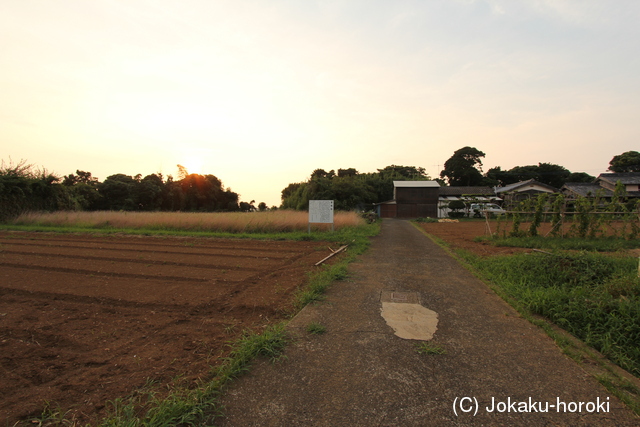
x: 53, y: 416
x: 316, y: 328
x: 429, y: 348
x: 592, y: 296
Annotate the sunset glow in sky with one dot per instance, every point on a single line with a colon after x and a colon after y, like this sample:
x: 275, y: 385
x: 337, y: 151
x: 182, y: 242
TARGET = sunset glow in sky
x: 261, y: 93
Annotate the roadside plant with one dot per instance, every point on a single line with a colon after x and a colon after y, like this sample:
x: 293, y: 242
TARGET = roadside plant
x: 456, y: 207
x: 429, y: 348
x: 582, y: 217
x: 537, y: 216
x: 634, y: 217
x: 556, y: 219
x: 316, y: 328
x: 517, y: 220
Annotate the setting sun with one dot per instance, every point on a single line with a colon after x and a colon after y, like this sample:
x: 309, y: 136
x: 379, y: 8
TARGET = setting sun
x: 193, y: 164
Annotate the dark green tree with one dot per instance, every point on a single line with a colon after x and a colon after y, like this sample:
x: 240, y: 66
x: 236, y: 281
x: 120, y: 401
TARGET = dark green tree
x: 546, y: 173
x: 496, y: 177
x: 83, y: 188
x: 626, y: 162
x: 347, y: 172
x: 119, y: 193
x: 403, y: 173
x: 349, y: 189
x: 580, y: 177
x: 464, y: 168
x: 295, y: 196
x: 150, y: 191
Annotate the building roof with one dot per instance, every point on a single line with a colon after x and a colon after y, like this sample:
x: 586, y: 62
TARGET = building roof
x: 586, y: 189
x: 518, y: 185
x: 464, y: 191
x: 627, y: 178
x: 416, y: 184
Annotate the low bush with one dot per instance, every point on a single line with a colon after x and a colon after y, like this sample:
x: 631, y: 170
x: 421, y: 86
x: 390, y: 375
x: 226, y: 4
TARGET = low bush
x: 593, y: 296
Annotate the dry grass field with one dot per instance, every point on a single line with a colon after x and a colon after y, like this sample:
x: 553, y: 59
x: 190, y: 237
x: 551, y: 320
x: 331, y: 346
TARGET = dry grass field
x: 234, y: 222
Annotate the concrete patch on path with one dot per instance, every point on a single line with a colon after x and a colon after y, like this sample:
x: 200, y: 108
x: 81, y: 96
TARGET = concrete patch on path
x: 407, y: 317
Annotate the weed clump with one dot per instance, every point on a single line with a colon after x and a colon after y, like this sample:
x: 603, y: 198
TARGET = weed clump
x: 429, y: 348
x: 316, y: 328
x: 592, y: 296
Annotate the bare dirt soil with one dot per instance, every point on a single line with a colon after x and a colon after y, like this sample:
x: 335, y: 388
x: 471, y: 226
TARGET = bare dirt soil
x: 86, y: 319
x: 462, y: 234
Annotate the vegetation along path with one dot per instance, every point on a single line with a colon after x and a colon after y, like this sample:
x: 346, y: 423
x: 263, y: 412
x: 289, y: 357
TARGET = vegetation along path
x: 485, y: 365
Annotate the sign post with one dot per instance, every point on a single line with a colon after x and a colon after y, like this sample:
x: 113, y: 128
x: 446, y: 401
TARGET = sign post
x: 320, y: 212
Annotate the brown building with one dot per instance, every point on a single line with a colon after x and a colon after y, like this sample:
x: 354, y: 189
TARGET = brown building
x: 411, y: 199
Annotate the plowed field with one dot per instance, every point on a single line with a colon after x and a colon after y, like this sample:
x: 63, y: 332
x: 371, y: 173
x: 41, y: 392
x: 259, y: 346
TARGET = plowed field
x: 461, y: 235
x: 86, y: 319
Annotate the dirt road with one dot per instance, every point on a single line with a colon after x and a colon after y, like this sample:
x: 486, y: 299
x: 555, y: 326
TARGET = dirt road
x: 498, y: 369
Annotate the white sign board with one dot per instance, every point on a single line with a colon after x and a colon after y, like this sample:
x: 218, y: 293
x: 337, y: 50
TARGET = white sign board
x: 321, y: 211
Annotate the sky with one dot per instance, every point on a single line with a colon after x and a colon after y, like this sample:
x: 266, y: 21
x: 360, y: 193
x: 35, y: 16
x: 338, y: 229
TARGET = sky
x: 261, y: 93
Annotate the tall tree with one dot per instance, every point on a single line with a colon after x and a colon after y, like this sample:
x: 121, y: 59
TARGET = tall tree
x: 580, y: 177
x: 403, y: 173
x: 546, y: 173
x: 119, y: 192
x: 464, y: 168
x: 626, y: 162
x: 349, y: 189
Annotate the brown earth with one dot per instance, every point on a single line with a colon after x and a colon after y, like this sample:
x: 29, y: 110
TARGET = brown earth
x: 86, y: 319
x: 461, y: 235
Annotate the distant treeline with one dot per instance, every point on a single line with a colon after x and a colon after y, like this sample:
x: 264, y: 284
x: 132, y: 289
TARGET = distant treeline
x: 348, y: 188
x: 24, y: 188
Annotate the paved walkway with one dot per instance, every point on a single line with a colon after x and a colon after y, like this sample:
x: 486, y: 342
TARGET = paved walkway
x: 359, y: 373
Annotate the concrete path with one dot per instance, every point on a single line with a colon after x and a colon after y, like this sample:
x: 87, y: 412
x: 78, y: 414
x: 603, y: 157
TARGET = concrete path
x: 359, y: 373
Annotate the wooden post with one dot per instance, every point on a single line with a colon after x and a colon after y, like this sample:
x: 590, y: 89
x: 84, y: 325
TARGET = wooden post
x: 487, y: 227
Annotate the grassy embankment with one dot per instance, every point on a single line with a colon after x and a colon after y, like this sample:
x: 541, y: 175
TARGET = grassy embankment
x: 198, y: 404
x: 595, y: 296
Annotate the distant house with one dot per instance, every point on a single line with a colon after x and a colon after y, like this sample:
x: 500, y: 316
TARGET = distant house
x: 574, y: 190
x: 411, y: 199
x: 466, y: 194
x: 630, y: 180
x: 604, y: 186
x: 522, y: 190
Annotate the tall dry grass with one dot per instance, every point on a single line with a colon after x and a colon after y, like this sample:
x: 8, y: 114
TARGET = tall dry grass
x: 233, y: 222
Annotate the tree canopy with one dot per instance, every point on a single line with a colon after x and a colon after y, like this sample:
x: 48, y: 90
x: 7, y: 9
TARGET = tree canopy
x: 626, y: 162
x: 349, y: 188
x: 464, y: 168
x: 24, y: 188
x: 546, y: 173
